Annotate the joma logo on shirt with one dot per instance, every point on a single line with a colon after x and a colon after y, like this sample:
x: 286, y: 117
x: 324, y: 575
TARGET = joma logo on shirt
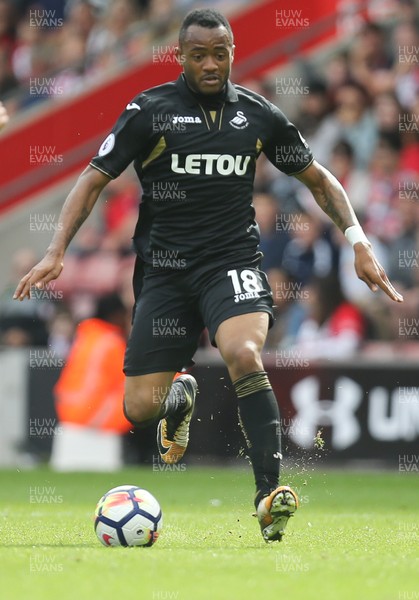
x: 178, y: 119
x: 208, y: 164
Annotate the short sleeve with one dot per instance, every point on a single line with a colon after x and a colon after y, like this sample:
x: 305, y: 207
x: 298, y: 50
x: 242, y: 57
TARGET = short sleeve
x: 127, y: 141
x: 286, y: 148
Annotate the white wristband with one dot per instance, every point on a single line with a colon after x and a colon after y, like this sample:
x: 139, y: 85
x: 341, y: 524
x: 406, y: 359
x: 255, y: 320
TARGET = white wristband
x: 355, y: 234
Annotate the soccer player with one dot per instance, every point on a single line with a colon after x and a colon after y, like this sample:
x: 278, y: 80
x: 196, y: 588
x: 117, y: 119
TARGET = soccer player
x: 194, y: 143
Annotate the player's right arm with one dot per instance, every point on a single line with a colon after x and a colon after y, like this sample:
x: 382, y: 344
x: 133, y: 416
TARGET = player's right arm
x: 127, y: 141
x: 76, y: 209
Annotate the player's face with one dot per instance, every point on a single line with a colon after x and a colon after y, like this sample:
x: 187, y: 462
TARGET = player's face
x: 206, y: 55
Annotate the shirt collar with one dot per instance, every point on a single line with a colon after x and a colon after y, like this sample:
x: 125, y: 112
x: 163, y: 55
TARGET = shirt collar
x: 191, y: 100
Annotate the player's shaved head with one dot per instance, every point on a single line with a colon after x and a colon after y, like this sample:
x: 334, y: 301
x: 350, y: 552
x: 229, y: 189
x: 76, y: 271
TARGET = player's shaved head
x: 204, y: 17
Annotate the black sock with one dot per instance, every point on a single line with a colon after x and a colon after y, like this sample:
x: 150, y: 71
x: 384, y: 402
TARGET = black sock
x: 259, y: 420
x: 173, y: 403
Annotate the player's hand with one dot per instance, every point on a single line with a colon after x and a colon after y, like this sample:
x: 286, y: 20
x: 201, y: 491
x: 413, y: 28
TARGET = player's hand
x: 372, y: 273
x: 46, y: 270
x: 4, y: 117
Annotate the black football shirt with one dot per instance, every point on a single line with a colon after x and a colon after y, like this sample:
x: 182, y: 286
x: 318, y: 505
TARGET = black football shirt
x: 195, y: 157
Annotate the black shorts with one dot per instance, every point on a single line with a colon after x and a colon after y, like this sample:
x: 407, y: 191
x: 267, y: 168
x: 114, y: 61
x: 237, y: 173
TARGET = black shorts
x: 174, y: 307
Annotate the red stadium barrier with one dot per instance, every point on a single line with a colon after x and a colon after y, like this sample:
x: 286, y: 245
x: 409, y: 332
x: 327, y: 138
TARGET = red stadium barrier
x: 61, y: 136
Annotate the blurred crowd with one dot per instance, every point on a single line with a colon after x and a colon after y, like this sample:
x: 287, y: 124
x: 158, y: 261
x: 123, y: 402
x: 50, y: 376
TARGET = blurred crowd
x: 75, y: 42
x: 359, y: 112
x: 361, y: 120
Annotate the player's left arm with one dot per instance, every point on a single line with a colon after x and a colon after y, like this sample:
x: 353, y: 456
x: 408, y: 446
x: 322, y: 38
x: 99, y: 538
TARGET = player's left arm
x: 332, y: 199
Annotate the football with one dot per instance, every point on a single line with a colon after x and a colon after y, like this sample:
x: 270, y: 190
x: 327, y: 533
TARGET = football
x: 128, y: 515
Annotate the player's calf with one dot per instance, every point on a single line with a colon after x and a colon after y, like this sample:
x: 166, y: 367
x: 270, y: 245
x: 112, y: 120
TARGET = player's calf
x: 145, y: 396
x: 143, y: 423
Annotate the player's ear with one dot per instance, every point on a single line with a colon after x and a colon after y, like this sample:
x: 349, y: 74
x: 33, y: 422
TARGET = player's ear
x: 232, y: 52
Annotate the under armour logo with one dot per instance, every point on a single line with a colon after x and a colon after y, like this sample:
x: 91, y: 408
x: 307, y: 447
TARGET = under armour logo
x: 339, y: 413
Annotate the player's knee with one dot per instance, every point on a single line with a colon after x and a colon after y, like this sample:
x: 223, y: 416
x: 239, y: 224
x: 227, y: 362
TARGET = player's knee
x: 140, y: 409
x: 243, y: 360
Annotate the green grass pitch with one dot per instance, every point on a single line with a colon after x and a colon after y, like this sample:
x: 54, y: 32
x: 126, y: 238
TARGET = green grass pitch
x: 355, y: 536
